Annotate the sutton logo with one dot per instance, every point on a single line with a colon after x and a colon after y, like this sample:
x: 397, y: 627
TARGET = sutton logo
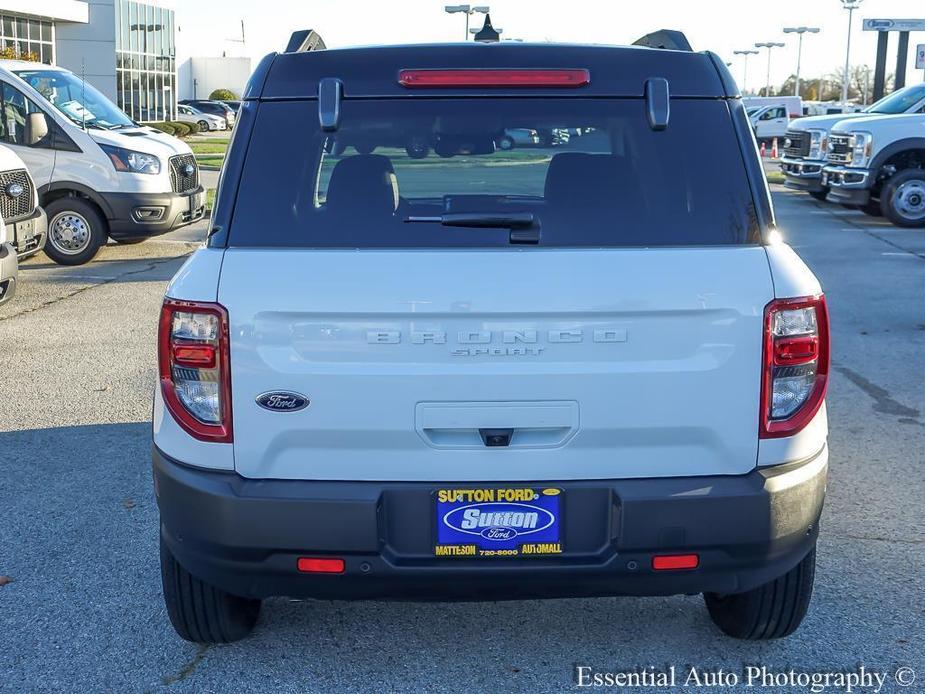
x: 499, y: 521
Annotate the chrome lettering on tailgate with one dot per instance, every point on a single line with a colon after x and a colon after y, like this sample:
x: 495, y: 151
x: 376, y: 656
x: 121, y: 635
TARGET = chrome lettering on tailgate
x: 502, y: 343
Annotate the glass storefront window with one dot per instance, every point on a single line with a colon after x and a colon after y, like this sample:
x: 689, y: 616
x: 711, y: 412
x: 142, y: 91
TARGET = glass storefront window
x: 146, y: 48
x: 25, y: 35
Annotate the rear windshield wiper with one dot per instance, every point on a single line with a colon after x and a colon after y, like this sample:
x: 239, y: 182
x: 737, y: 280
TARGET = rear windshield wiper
x: 522, y: 224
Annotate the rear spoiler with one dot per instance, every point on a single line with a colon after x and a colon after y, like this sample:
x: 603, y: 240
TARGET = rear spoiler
x: 305, y: 40
x: 668, y: 39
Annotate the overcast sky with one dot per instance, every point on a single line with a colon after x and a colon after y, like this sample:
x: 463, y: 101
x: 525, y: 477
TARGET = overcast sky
x: 718, y: 25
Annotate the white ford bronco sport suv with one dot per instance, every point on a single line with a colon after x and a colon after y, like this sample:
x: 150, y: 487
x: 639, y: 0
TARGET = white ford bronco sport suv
x: 574, y: 370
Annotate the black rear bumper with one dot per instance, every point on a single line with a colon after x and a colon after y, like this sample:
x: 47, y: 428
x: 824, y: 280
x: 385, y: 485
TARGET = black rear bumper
x: 245, y: 536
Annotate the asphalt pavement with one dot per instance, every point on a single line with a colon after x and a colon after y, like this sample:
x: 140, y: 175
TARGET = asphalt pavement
x: 78, y: 520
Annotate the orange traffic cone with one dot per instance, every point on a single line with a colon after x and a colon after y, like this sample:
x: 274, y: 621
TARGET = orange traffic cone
x: 774, y: 153
x: 764, y: 150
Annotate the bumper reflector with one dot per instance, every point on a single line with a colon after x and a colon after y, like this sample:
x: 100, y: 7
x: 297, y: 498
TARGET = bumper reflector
x: 674, y: 562
x: 315, y: 565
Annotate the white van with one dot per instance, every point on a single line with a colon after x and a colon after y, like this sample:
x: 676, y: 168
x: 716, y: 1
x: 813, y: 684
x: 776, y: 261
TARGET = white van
x: 99, y: 174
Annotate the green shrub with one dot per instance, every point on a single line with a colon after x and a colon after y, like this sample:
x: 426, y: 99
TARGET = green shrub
x: 182, y: 129
x: 164, y: 127
x: 223, y: 95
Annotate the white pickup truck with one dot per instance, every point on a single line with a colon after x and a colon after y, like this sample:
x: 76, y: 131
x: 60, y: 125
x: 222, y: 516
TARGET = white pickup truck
x: 877, y: 164
x: 472, y: 375
x: 807, y: 143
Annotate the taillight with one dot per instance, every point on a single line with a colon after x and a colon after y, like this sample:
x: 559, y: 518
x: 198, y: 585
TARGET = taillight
x: 195, y: 368
x: 796, y: 364
x: 493, y: 77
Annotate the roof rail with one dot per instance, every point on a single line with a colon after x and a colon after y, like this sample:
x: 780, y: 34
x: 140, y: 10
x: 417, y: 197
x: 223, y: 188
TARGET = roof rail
x: 305, y: 40
x: 665, y: 38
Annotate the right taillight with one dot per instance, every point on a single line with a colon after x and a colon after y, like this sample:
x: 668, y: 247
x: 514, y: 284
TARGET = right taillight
x: 795, y: 364
x: 194, y: 365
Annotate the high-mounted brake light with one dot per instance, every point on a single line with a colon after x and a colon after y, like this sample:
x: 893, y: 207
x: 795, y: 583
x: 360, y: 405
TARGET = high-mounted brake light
x: 195, y: 368
x: 491, y: 77
x: 795, y: 364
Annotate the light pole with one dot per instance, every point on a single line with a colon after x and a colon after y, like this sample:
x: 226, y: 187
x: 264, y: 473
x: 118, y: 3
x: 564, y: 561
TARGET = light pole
x: 769, y: 45
x: 745, y: 53
x: 466, y: 10
x: 851, y: 6
x: 799, y: 31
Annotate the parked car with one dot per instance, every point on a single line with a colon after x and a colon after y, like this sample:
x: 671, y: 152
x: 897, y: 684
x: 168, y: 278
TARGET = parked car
x: 203, y: 121
x: 26, y: 224
x: 233, y: 104
x: 99, y: 174
x: 792, y: 104
x: 518, y: 137
x: 215, y: 108
x: 877, y: 164
x: 769, y: 122
x: 594, y: 373
x: 807, y: 141
x: 9, y: 266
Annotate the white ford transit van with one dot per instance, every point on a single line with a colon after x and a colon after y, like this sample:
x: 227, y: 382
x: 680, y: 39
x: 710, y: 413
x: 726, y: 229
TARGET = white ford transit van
x: 99, y: 174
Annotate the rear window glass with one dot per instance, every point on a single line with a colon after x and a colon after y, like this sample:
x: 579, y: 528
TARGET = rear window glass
x: 431, y: 172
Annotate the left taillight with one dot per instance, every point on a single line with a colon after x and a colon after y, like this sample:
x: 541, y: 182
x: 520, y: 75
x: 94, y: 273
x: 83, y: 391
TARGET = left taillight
x: 195, y: 368
x: 795, y: 364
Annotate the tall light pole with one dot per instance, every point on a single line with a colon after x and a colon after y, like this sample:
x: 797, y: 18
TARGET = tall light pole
x: 467, y: 10
x: 745, y: 53
x: 769, y: 45
x: 851, y: 6
x: 799, y: 31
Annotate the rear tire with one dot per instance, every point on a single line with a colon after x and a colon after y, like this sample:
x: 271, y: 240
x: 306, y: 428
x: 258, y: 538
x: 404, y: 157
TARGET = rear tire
x: 202, y: 613
x: 819, y: 195
x: 76, y: 231
x: 770, y: 611
x: 902, y: 199
x: 506, y: 143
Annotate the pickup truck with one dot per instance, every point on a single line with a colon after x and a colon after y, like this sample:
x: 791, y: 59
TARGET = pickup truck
x: 807, y: 140
x: 471, y: 375
x: 878, y: 164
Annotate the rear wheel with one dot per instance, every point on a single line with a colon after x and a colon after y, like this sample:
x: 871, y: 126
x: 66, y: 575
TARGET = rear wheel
x: 506, y: 143
x: 903, y: 198
x: 200, y: 612
x: 770, y: 611
x: 417, y: 148
x: 819, y: 195
x: 76, y: 231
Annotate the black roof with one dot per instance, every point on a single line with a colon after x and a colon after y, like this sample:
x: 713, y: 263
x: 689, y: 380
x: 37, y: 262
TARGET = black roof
x: 619, y: 71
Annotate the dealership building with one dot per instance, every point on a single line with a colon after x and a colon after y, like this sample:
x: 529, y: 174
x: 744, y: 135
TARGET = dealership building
x: 126, y: 49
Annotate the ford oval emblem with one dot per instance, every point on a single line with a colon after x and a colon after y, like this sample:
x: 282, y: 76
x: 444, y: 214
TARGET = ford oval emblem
x: 499, y: 533
x: 14, y: 190
x: 282, y: 401
x: 188, y: 170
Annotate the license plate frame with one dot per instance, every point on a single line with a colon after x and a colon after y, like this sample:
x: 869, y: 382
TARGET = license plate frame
x: 515, y: 521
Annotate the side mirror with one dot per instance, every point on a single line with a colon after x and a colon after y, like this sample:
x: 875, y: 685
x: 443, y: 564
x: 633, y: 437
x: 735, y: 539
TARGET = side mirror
x: 36, y: 128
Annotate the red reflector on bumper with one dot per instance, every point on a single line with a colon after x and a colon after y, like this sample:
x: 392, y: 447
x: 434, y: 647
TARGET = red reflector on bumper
x: 494, y: 78
x: 313, y: 565
x: 673, y: 562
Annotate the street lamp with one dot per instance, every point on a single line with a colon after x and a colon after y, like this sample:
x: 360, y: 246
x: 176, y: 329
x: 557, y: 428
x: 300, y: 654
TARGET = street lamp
x: 746, y: 53
x: 851, y: 6
x: 468, y: 10
x: 799, y: 31
x: 769, y: 45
